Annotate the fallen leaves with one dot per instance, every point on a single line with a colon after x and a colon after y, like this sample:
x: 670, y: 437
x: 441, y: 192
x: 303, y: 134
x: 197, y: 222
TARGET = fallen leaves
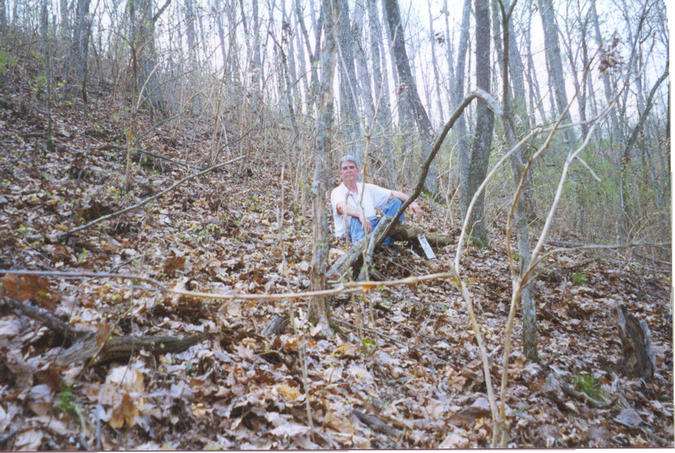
x: 415, y: 366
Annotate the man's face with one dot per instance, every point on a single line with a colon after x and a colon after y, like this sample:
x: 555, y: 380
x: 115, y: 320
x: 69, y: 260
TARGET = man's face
x: 349, y: 172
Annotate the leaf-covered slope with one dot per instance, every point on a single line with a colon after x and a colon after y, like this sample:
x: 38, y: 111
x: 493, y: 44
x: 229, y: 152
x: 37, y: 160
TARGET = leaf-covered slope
x: 404, y: 373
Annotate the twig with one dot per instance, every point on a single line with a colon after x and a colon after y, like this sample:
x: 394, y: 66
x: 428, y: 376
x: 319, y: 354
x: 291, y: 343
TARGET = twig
x: 369, y: 330
x: 376, y: 424
x: 43, y: 316
x: 347, y: 287
x: 61, y: 236
x: 106, y: 146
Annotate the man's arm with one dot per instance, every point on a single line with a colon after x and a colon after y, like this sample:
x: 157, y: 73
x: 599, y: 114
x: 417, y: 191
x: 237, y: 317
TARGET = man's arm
x: 353, y: 212
x: 414, y: 206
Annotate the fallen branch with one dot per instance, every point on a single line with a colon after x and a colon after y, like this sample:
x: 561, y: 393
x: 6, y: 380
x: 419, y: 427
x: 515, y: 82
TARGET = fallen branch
x: 46, y: 318
x: 108, y: 146
x: 122, y: 348
x: 61, y: 236
x: 407, y: 233
x: 347, y: 287
x: 86, y: 344
x: 376, y: 424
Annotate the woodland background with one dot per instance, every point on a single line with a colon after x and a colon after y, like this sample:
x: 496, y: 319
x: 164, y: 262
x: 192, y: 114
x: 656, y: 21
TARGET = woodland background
x: 165, y: 237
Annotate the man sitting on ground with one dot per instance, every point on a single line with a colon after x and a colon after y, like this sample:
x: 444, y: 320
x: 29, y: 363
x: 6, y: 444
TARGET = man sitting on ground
x: 345, y: 199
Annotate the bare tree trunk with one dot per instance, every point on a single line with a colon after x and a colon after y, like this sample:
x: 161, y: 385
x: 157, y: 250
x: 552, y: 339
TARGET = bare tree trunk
x: 408, y: 84
x: 457, y: 97
x: 65, y: 19
x: 604, y: 76
x: 365, y: 92
x: 554, y: 65
x: 348, y: 85
x: 382, y: 103
x: 480, y: 148
x: 190, y: 32
x: 256, y: 65
x: 434, y: 63
x: 3, y: 18
x: 514, y: 113
x: 532, y: 81
x: 313, y: 56
x: 221, y: 38
x: 319, y: 311
x: 79, y: 46
x: 144, y: 38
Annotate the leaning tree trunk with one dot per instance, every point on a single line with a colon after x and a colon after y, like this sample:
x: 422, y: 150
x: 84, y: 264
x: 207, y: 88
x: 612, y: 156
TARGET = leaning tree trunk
x: 480, y: 148
x: 318, y: 307
x: 408, y: 82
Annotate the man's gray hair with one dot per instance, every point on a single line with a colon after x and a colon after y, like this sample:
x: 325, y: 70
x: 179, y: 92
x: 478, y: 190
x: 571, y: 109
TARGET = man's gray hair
x: 349, y: 158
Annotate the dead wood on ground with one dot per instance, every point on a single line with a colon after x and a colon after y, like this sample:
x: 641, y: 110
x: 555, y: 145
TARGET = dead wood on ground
x: 86, y: 345
x: 405, y: 233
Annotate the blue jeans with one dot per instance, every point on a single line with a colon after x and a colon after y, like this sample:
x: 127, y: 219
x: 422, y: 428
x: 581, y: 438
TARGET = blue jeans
x: 356, y: 229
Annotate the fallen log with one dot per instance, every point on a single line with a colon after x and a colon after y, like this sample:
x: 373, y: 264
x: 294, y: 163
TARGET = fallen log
x: 122, y: 348
x: 405, y: 233
x: 86, y: 346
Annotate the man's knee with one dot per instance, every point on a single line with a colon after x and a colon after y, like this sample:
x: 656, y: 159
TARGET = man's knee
x: 392, y: 207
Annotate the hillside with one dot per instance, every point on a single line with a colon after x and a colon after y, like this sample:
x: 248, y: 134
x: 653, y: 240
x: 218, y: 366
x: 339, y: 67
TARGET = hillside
x: 409, y: 377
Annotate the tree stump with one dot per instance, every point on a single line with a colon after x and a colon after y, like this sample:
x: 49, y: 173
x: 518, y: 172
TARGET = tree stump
x: 638, y: 359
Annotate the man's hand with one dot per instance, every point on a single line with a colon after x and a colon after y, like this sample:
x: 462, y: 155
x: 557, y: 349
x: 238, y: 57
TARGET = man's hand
x: 416, y: 210
x: 365, y: 223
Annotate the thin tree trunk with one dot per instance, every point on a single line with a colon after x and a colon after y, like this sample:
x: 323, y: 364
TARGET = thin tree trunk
x: 382, y: 102
x: 434, y: 63
x: 65, y: 22
x: 554, y: 65
x: 190, y: 32
x: 457, y: 97
x: 532, y: 81
x: 408, y: 84
x: 313, y: 56
x: 348, y: 85
x: 79, y: 46
x: 319, y: 311
x: 365, y: 92
x: 604, y: 76
x: 510, y: 60
x: 480, y: 148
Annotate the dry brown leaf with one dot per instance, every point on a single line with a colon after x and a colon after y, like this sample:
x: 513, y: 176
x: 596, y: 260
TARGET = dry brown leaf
x: 454, y: 440
x: 124, y: 412
x: 127, y: 377
x: 290, y: 430
x: 41, y: 399
x: 291, y: 394
x: 629, y: 417
x: 10, y: 327
x: 340, y: 424
x: 23, y: 287
x: 28, y: 440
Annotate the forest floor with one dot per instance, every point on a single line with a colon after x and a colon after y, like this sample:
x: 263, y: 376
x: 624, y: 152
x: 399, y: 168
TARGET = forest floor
x: 409, y: 378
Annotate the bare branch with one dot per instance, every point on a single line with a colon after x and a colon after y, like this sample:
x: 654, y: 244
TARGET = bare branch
x: 61, y: 236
